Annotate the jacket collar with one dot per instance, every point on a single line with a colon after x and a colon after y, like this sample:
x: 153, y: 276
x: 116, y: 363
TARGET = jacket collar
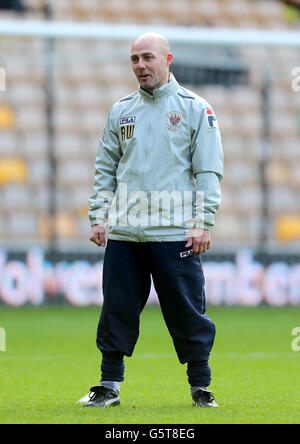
x: 164, y: 90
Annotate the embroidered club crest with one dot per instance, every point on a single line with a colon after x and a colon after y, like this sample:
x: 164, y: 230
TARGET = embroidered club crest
x: 174, y: 120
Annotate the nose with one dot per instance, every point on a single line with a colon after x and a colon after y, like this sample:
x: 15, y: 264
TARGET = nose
x: 141, y: 63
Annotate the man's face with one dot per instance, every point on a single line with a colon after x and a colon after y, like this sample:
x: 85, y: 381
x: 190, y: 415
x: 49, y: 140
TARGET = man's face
x: 150, y: 64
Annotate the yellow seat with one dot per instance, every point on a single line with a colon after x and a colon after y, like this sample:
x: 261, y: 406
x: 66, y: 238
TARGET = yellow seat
x: 13, y: 170
x: 288, y: 227
x: 6, y: 117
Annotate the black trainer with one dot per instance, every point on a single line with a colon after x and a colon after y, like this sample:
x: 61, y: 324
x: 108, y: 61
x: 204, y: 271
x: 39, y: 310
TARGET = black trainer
x: 204, y: 398
x: 101, y: 396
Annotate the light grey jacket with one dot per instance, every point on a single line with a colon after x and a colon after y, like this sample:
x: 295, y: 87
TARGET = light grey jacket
x: 158, y: 156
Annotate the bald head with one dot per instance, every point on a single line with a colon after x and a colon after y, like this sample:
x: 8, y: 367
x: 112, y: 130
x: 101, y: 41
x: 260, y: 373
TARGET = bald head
x: 155, y: 39
x: 151, y: 59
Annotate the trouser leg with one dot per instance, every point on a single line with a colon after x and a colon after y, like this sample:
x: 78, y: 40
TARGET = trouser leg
x: 179, y: 283
x: 126, y: 287
x: 199, y: 373
x: 112, y: 367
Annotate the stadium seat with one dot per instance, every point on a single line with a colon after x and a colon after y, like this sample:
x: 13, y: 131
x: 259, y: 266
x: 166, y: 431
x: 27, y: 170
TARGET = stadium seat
x: 288, y: 227
x: 12, y: 170
x: 279, y: 173
x: 249, y: 199
x: 74, y: 172
x: 287, y: 148
x: 284, y: 125
x: 39, y: 172
x: 6, y: 117
x: 207, y: 10
x: 242, y: 173
x: 8, y: 143
x: 83, y: 226
x: 267, y: 13
x: 229, y: 228
x: 65, y: 119
x: 15, y: 196
x: 34, y: 144
x: 242, y: 97
x: 64, y: 225
x: 235, y: 11
x: 26, y: 94
x: 29, y: 119
x: 282, y: 199
x: 68, y: 145
x: 27, y: 229
x: 80, y: 197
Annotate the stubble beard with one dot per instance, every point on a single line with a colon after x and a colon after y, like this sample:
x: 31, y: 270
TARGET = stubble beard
x: 150, y: 89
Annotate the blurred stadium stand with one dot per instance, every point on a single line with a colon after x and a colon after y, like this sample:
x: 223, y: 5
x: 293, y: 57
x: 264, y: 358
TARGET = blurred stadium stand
x: 89, y: 76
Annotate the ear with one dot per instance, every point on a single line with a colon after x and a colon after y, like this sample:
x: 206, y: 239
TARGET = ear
x: 169, y: 59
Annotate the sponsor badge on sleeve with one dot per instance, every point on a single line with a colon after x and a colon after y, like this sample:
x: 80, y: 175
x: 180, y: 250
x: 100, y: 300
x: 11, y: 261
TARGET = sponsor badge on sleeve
x: 211, y: 118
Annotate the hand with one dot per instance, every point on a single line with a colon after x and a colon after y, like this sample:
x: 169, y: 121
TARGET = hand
x: 199, y: 239
x: 98, y: 235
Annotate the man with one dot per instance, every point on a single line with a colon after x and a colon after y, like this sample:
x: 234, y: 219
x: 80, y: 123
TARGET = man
x: 161, y: 139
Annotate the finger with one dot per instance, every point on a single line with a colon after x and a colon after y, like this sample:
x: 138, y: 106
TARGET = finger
x: 102, y: 239
x: 189, y: 242
x: 206, y: 247
x: 96, y: 240
x: 196, y: 248
x: 201, y: 247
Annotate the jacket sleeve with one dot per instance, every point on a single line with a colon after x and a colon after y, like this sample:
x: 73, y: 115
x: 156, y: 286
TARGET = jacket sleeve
x: 107, y: 161
x: 207, y: 164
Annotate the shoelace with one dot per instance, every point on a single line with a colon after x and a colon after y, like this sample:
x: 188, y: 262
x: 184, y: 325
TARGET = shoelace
x: 208, y: 396
x: 96, y: 391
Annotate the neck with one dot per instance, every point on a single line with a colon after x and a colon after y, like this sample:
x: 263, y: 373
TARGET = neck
x: 151, y: 90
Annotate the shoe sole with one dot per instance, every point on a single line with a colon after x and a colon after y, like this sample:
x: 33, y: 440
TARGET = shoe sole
x: 206, y: 406
x: 112, y: 403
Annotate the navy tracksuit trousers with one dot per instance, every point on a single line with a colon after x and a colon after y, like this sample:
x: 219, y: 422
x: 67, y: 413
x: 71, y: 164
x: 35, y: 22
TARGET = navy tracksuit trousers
x: 179, y: 283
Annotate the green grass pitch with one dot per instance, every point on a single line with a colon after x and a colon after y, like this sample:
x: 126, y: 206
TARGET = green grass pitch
x: 51, y: 361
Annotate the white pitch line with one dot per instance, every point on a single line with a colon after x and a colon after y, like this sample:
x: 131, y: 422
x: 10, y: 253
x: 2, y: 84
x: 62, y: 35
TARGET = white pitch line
x: 256, y: 355
x: 249, y: 355
x: 30, y: 358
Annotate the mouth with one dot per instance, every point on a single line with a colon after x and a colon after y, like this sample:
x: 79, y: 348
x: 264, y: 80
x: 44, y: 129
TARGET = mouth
x: 144, y: 76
